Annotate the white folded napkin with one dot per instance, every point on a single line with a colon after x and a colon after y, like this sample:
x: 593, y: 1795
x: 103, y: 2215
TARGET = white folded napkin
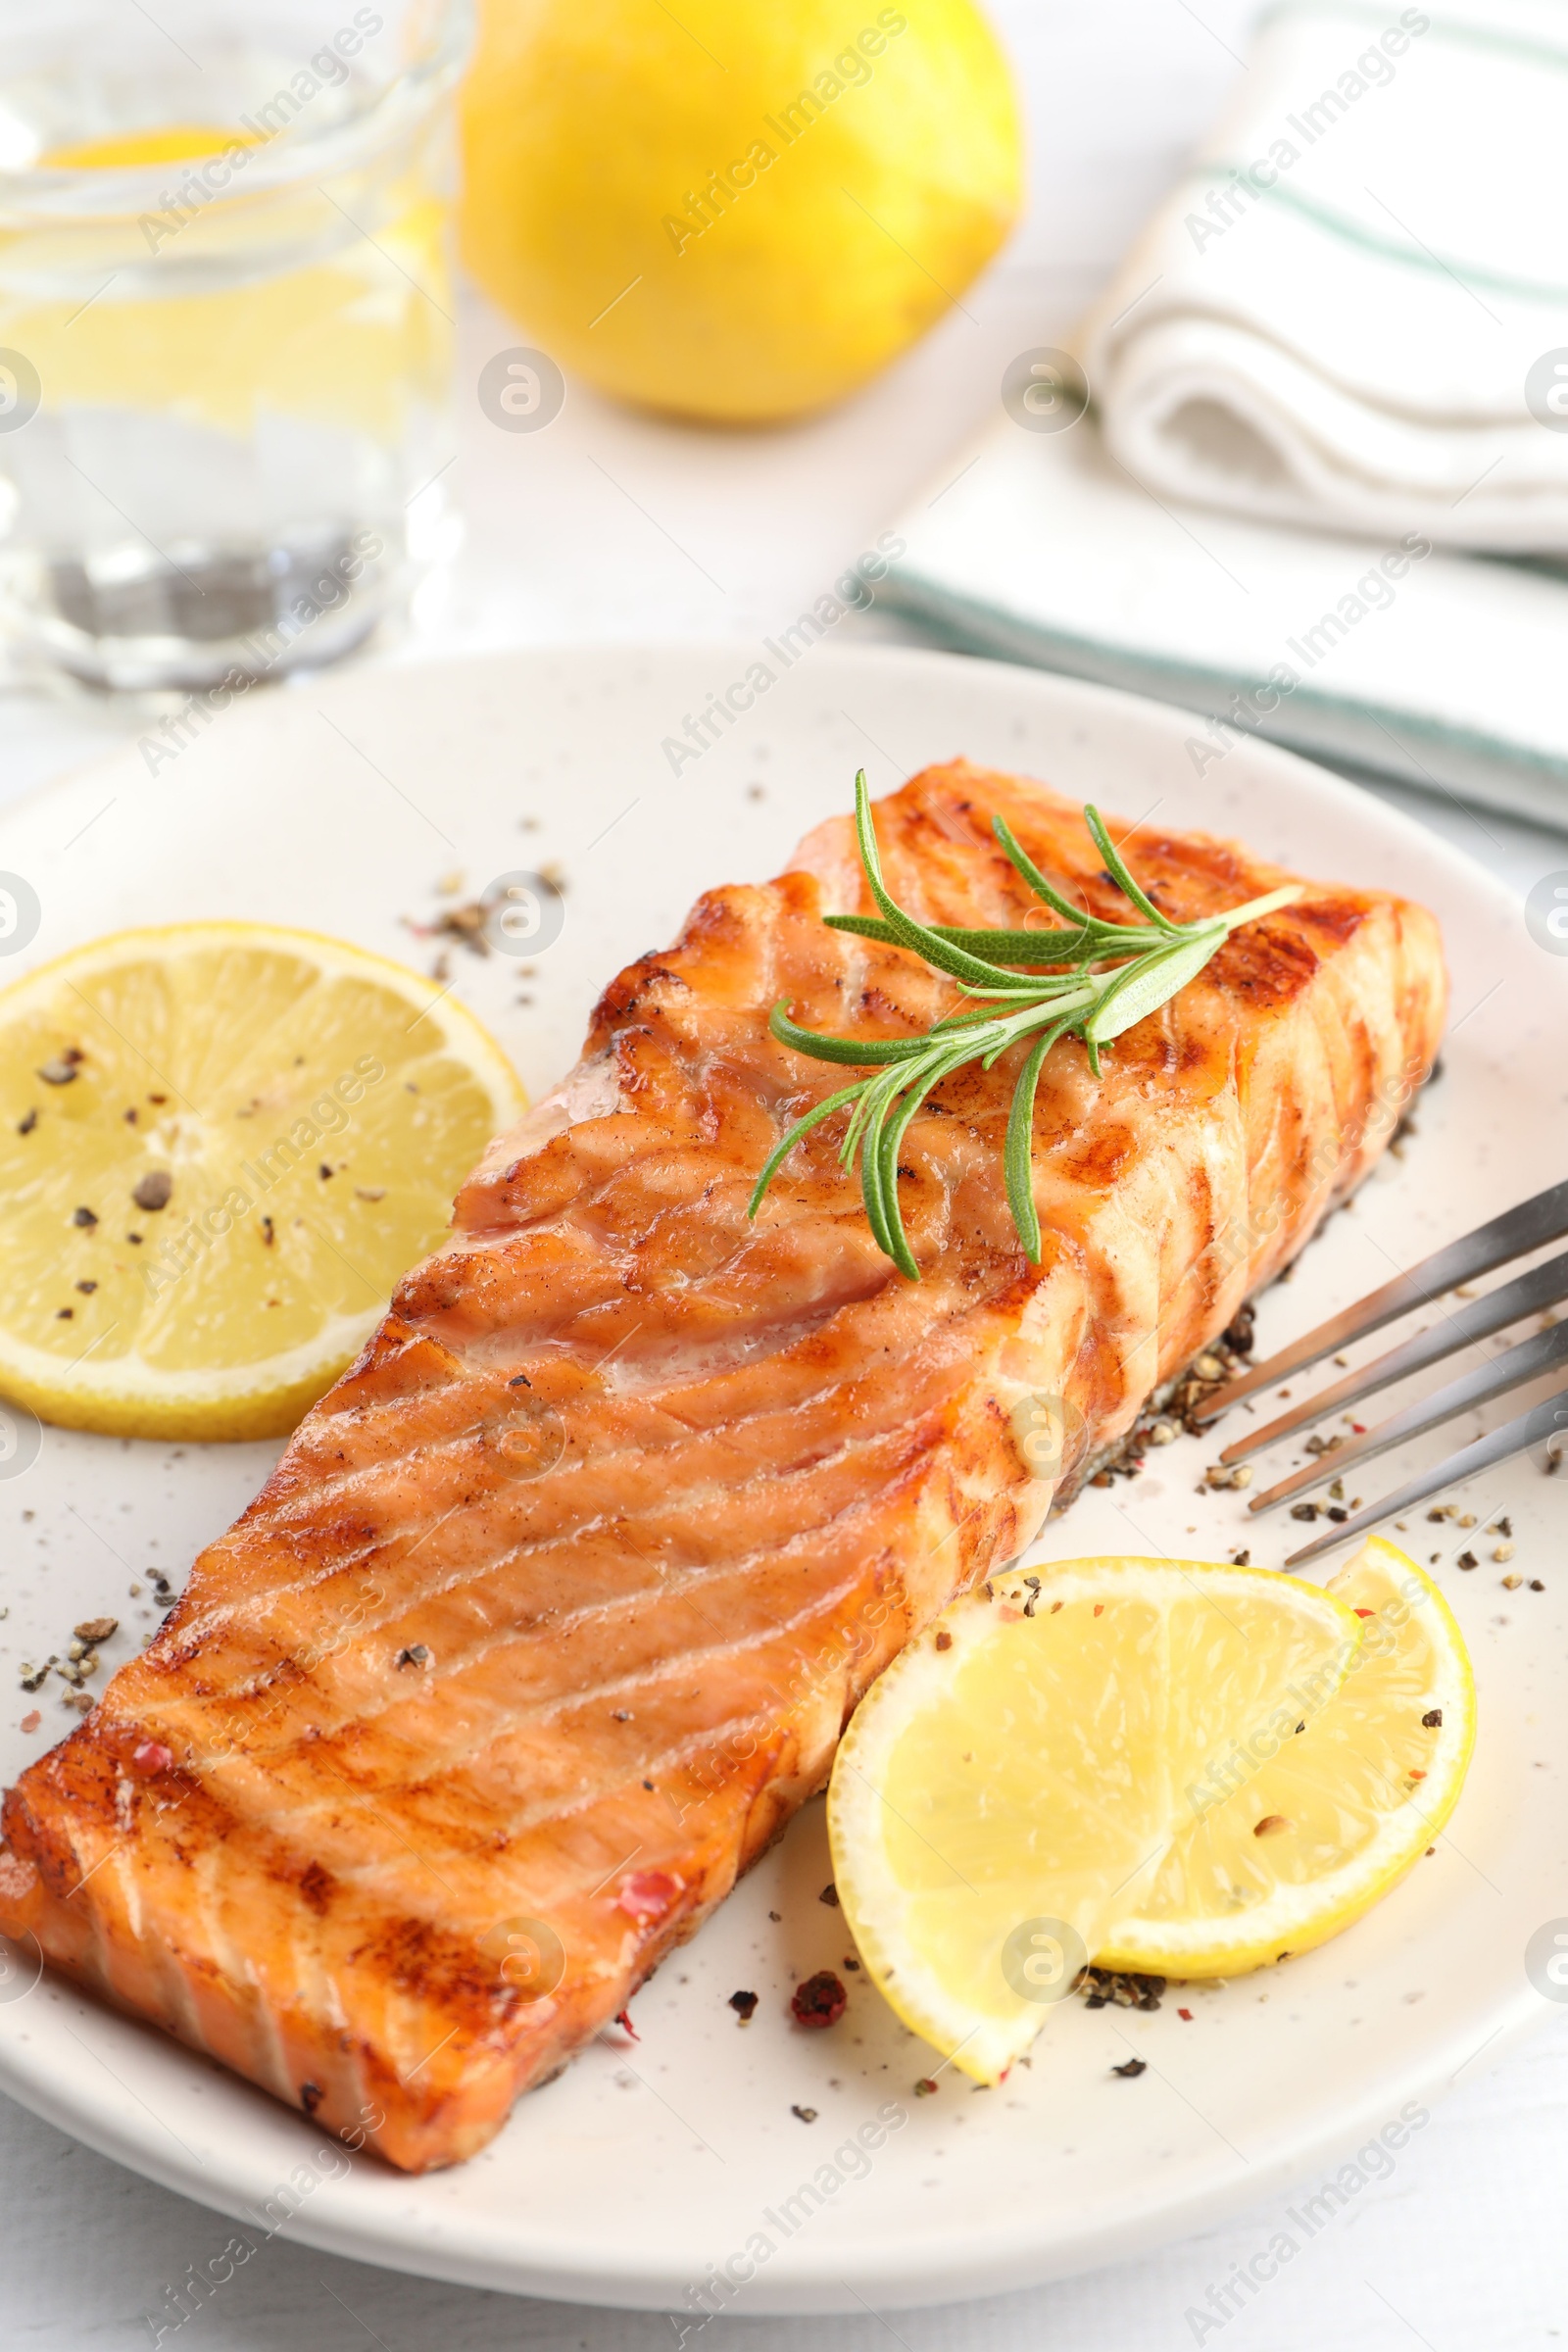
x: 1353, y: 313
x: 1444, y: 669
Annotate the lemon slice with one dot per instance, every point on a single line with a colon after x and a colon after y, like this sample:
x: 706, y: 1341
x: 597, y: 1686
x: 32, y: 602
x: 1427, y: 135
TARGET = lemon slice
x: 220, y: 1143
x: 1011, y: 1784
x: 1281, y: 1849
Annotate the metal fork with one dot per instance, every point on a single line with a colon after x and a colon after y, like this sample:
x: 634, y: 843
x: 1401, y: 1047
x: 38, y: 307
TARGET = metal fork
x: 1521, y: 1230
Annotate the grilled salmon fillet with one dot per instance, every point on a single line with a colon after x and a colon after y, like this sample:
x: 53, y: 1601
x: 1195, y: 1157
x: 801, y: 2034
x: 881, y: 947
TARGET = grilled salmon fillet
x: 553, y: 1612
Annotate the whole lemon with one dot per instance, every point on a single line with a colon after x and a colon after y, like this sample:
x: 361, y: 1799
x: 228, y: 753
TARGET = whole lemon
x: 734, y: 208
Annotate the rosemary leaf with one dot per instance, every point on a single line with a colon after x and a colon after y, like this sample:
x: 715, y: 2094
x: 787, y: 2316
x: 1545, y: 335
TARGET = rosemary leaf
x: 1025, y: 864
x: 787, y: 1143
x: 931, y: 1074
x: 1000, y: 947
x: 1019, y: 1156
x: 859, y: 1050
x: 1143, y: 987
x: 1108, y: 977
x: 1116, y: 867
x: 906, y: 930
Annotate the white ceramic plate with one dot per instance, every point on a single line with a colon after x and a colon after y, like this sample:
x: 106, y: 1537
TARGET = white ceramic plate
x: 339, y: 806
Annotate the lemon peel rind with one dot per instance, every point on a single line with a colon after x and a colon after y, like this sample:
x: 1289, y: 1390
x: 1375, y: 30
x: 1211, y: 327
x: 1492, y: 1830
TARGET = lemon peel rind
x: 265, y: 1400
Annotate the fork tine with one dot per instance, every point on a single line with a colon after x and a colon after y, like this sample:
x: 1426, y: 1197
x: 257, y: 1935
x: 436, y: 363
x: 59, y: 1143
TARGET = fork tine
x: 1528, y: 1227
x: 1528, y: 1361
x: 1548, y: 1419
x: 1544, y: 1286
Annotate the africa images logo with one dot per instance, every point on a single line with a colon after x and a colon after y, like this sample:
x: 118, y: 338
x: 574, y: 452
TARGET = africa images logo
x: 1546, y: 1959
x: 1546, y: 913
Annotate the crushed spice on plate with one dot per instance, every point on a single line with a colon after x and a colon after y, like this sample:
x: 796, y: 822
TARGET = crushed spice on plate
x: 819, y: 1999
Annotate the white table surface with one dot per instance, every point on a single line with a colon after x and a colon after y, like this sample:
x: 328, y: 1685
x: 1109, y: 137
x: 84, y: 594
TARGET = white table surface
x: 609, y: 526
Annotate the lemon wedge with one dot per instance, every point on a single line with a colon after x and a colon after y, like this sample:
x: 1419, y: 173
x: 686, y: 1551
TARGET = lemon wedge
x: 220, y: 1143
x: 1283, y: 1848
x: 1014, y: 1783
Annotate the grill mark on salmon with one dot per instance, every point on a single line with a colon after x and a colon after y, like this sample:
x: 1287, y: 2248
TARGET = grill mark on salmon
x: 554, y: 1607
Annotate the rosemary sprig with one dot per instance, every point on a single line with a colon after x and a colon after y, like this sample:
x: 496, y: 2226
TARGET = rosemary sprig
x: 1115, y: 975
